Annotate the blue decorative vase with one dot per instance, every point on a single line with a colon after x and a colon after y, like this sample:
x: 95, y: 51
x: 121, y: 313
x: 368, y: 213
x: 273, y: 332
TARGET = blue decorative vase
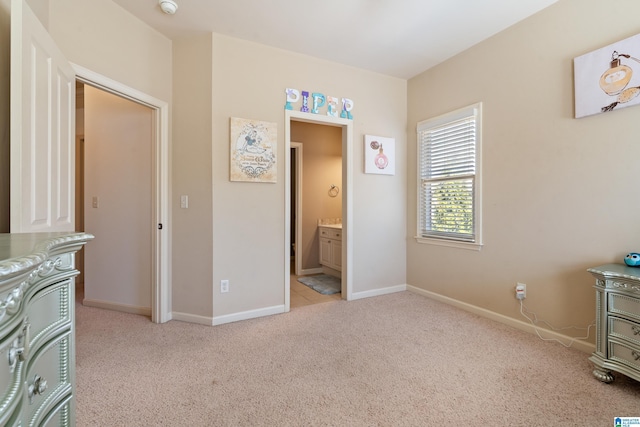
x: 632, y: 259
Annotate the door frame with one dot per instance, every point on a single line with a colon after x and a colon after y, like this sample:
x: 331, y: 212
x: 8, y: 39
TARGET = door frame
x: 298, y: 150
x: 347, y: 198
x: 161, y: 239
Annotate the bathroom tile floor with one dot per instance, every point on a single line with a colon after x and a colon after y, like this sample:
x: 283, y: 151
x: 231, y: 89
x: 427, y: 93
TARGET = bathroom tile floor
x: 301, y: 295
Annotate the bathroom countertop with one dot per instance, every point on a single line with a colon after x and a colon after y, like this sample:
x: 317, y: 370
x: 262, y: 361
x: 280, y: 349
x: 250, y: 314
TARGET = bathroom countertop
x: 334, y: 226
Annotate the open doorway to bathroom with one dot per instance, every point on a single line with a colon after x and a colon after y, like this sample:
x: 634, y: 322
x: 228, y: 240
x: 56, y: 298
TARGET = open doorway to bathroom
x: 316, y: 179
x: 317, y: 149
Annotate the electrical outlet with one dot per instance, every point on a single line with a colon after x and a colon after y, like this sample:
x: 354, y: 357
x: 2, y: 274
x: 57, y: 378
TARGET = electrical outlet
x: 224, y: 286
x: 521, y: 291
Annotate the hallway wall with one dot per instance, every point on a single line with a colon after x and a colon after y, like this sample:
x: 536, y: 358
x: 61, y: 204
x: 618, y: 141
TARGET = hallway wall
x: 118, y: 164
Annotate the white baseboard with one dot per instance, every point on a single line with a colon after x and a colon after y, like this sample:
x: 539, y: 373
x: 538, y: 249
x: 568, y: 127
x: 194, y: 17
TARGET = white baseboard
x: 378, y: 292
x: 192, y: 318
x: 125, y: 308
x: 584, y: 346
x: 309, y: 271
x: 245, y: 315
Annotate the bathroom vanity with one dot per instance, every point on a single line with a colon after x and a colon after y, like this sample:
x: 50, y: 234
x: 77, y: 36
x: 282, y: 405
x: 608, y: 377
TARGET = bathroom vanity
x: 331, y: 246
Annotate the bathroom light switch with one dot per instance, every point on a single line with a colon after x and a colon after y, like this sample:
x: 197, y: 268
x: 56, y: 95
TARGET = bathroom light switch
x: 94, y: 202
x: 184, y: 202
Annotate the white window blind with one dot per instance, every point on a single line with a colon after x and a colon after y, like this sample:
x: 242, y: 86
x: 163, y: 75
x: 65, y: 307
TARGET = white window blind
x: 448, y: 166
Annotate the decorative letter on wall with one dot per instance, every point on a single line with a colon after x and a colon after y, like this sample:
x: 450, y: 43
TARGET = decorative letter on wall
x: 253, y: 150
x: 347, y: 106
x: 292, y: 96
x: 318, y: 101
x: 332, y: 106
x: 305, y: 102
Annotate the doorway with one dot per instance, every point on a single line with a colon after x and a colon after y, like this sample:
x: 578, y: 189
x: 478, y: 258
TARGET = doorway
x: 117, y: 181
x: 322, y: 164
x: 346, y: 127
x: 160, y: 300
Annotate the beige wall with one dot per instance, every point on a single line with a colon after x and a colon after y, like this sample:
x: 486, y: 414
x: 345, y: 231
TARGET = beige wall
x: 321, y: 168
x: 102, y: 37
x: 557, y: 192
x: 235, y: 231
x: 192, y: 245
x: 249, y: 81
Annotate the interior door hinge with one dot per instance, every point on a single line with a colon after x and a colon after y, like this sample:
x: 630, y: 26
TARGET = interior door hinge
x: 160, y: 226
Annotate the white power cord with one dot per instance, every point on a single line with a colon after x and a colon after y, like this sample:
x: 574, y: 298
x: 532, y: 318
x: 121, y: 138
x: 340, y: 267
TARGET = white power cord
x: 534, y: 322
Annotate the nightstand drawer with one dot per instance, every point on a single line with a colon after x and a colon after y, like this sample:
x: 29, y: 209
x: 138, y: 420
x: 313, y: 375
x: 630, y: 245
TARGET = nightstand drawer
x: 624, y: 305
x: 626, y: 354
x: 622, y: 328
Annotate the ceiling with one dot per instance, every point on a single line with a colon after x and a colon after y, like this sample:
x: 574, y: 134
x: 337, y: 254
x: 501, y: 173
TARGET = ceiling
x: 399, y: 38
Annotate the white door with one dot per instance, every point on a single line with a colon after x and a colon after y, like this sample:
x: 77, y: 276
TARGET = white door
x: 42, y: 128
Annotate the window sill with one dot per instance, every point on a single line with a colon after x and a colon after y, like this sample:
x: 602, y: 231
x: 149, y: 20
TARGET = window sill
x: 449, y: 243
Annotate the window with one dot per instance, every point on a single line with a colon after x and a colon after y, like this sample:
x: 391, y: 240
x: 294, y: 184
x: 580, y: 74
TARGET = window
x: 449, y: 179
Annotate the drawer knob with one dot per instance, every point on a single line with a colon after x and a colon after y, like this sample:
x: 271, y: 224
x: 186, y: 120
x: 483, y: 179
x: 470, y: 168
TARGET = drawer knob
x: 20, y: 348
x: 38, y: 386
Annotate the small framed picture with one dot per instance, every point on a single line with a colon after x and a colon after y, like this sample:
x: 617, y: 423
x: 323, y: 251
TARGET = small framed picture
x: 379, y: 155
x: 253, y: 151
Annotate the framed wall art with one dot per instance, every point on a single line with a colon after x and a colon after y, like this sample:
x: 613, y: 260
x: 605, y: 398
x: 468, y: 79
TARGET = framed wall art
x: 379, y: 155
x: 607, y: 79
x: 253, y: 150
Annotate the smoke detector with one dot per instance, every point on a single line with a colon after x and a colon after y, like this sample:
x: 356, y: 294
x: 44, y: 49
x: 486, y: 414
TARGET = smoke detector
x: 168, y: 6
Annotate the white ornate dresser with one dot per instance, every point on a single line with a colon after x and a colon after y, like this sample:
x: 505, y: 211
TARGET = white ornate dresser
x: 617, y: 321
x: 37, y: 346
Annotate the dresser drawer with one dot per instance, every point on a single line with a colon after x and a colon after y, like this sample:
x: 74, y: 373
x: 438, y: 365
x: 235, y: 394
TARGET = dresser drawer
x: 624, y: 305
x: 49, y: 312
x: 11, y: 368
x: 48, y: 380
x: 60, y: 415
x: 13, y: 295
x: 330, y: 233
x: 622, y: 328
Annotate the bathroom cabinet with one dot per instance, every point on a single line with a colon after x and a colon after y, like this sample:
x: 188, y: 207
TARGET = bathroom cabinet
x: 37, y: 328
x: 331, y: 246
